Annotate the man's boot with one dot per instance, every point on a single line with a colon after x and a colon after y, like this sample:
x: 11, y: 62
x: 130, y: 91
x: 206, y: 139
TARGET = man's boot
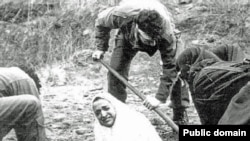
x: 180, y: 116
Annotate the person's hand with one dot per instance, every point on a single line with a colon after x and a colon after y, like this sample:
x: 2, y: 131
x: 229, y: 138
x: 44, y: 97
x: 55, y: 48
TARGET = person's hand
x: 151, y: 102
x: 97, y: 55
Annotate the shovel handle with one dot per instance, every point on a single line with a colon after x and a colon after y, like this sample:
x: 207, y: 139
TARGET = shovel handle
x: 162, y: 115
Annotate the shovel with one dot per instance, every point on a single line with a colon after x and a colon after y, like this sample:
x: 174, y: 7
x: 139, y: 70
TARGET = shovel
x: 162, y: 115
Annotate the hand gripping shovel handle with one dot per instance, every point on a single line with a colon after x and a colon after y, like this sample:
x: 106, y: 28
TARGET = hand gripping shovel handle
x: 166, y: 118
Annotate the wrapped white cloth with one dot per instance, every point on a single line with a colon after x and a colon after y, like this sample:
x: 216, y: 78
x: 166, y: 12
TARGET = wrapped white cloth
x: 129, y: 124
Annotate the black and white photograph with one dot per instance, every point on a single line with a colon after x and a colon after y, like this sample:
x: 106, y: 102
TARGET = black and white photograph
x: 124, y: 70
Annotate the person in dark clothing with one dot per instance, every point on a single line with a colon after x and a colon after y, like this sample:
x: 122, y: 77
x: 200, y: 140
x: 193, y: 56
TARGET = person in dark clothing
x: 20, y: 106
x: 219, y: 89
x: 212, y: 81
x: 223, y: 52
x: 142, y: 26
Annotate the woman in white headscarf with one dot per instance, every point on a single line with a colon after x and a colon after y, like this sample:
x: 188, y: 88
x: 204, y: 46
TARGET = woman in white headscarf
x: 115, y: 121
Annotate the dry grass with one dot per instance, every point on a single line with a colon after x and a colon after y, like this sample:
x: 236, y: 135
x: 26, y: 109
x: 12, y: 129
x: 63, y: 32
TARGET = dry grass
x: 39, y: 33
x: 44, y: 33
x: 217, y: 22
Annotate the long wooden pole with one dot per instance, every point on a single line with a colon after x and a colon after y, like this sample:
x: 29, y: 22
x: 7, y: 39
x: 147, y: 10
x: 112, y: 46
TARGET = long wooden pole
x: 162, y: 115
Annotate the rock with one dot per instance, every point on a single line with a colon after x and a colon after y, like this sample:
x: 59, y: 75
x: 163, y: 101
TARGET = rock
x: 57, y: 126
x: 146, y: 91
x: 87, y: 120
x: 59, y: 117
x: 86, y: 32
x: 96, y: 88
x: 64, y: 125
x: 79, y: 108
x: 58, y: 107
x: 67, y: 124
x: 156, y: 121
x: 183, y: 2
x: 151, y: 78
x: 80, y: 131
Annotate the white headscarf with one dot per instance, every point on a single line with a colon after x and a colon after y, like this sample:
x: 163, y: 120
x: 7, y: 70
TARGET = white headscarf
x: 129, y: 124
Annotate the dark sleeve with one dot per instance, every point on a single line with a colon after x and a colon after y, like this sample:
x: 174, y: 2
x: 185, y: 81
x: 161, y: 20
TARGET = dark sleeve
x: 221, y: 52
x: 102, y: 36
x: 169, y: 71
x: 229, y: 53
x: 182, y: 65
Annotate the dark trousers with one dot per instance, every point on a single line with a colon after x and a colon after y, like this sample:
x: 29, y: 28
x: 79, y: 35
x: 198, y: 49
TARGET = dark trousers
x: 22, y: 113
x: 180, y: 95
x: 120, y: 61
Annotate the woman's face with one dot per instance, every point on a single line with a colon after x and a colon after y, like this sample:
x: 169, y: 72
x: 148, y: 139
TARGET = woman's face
x: 105, y: 112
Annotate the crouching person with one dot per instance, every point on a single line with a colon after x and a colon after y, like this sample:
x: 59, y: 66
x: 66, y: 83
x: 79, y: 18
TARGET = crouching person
x: 20, y: 107
x: 219, y: 89
x: 115, y: 121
